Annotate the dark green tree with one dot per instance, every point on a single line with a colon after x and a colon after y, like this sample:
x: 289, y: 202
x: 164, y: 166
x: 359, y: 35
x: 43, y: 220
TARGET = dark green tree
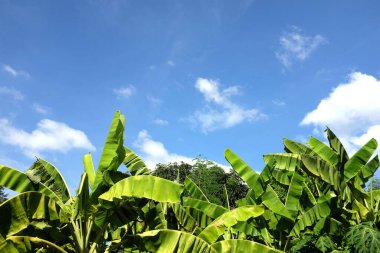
x: 3, y: 196
x: 209, y: 176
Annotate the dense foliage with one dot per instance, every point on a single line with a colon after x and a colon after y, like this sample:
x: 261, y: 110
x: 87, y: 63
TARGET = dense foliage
x: 311, y: 198
x: 209, y: 176
x: 3, y: 196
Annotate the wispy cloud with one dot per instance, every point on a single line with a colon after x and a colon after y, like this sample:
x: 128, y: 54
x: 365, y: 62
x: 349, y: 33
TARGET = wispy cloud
x: 41, y: 109
x: 154, y: 101
x: 13, y: 72
x: 161, y: 122
x: 295, y: 46
x: 154, y: 152
x: 351, y: 110
x: 220, y: 111
x: 171, y: 63
x: 278, y: 102
x: 49, y: 135
x: 125, y: 92
x: 13, y: 93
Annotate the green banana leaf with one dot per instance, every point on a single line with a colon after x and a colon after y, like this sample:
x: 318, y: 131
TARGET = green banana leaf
x: 284, y: 161
x: 135, y: 165
x: 210, y: 209
x: 359, y: 159
x: 194, y: 190
x: 282, y: 176
x: 296, y: 147
x: 321, y: 169
x: 167, y: 241
x: 337, y: 146
x: 44, y: 172
x: 218, y: 227
x: 113, y: 154
x: 292, y: 202
x: 19, y: 182
x: 89, y: 169
x: 27, y: 243
x: 313, y: 215
x: 271, y: 200
x: 143, y: 186
x: 19, y: 212
x: 323, y: 151
x: 242, y: 246
x: 368, y: 170
x: 81, y: 200
x: 185, y: 219
x: 246, y: 173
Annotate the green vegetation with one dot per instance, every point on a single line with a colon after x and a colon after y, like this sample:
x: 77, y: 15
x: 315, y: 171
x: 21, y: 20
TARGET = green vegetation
x: 209, y: 176
x: 311, y: 198
x: 3, y: 196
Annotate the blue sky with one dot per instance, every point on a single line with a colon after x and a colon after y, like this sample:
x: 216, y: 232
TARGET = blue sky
x: 192, y: 77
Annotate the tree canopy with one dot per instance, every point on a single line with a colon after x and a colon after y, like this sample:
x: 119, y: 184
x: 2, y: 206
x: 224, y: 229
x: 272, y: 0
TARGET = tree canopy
x: 3, y: 196
x: 209, y: 176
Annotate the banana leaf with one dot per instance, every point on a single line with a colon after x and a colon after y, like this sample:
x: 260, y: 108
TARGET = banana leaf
x: 337, y: 146
x: 271, y: 200
x: 296, y: 147
x: 210, y: 209
x: 319, y: 211
x: 44, y: 172
x: 284, y: 161
x: 19, y: 182
x: 194, y: 190
x: 359, y: 159
x: 242, y: 246
x: 246, y: 173
x: 135, y: 165
x: 89, y: 169
x: 143, y: 186
x: 113, y: 154
x: 218, y: 227
x: 167, y: 241
x: 19, y: 212
x: 323, y: 151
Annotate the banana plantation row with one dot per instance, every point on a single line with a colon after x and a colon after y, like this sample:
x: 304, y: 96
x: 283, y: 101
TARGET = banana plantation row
x: 311, y: 198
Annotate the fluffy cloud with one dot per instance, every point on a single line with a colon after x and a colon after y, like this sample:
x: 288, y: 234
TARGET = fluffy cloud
x: 296, y: 46
x: 49, y: 135
x: 220, y: 112
x: 15, y: 94
x: 351, y: 110
x: 13, y: 72
x: 41, y: 109
x: 154, y: 152
x: 125, y: 92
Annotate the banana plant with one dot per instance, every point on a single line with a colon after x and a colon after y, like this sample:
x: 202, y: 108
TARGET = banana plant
x: 109, y: 203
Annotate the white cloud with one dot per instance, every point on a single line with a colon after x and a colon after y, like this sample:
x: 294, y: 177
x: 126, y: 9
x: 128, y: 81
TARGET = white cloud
x: 296, y: 46
x: 161, y: 122
x: 351, y: 110
x: 154, y: 101
x: 278, y: 102
x: 226, y: 114
x: 154, y: 152
x: 125, y: 92
x: 170, y: 63
x: 48, y: 136
x: 41, y: 109
x: 15, y: 94
x: 13, y: 72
